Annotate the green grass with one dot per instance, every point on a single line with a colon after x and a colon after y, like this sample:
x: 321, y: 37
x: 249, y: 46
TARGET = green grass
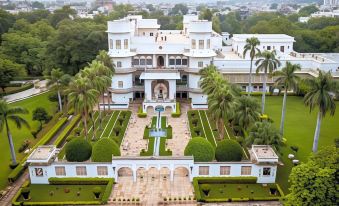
x: 299, y: 131
x: 41, y: 193
x: 236, y: 190
x: 19, y: 135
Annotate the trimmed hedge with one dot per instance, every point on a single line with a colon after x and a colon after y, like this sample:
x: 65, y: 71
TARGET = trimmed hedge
x: 78, y: 150
x: 126, y: 115
x: 73, y: 181
x: 16, y: 173
x: 141, y: 114
x: 78, y: 181
x: 201, y: 149
x: 177, y: 112
x: 58, y: 142
x: 104, y: 149
x: 228, y: 150
x: 232, y: 180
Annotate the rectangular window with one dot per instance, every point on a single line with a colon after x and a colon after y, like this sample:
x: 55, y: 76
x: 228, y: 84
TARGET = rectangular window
x: 149, y: 61
x: 184, y: 62
x: 282, y: 48
x: 142, y: 62
x: 110, y: 43
x: 225, y: 170
x: 102, y: 171
x: 120, y: 84
x: 118, y: 63
x: 118, y: 44
x: 246, y: 170
x: 136, y: 62
x: 200, y: 64
x: 208, y: 43
x: 60, y: 171
x: 193, y: 44
x: 171, y: 61
x: 204, y: 170
x: 39, y: 172
x: 81, y: 170
x: 151, y: 34
x: 178, y: 62
x: 201, y: 44
x: 268, y: 48
x: 266, y: 171
x: 126, y: 44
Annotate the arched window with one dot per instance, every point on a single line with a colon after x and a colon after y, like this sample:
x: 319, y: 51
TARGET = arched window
x: 142, y: 60
x: 178, y: 60
x: 184, y: 61
x: 136, y: 61
x: 149, y: 61
x: 171, y: 60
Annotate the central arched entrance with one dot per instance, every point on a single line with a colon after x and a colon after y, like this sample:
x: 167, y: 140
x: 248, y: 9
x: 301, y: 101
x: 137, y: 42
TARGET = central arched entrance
x: 161, y: 61
x: 160, y: 91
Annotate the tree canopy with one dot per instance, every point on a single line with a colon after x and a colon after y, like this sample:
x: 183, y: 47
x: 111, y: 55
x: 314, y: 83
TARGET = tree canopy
x: 201, y: 149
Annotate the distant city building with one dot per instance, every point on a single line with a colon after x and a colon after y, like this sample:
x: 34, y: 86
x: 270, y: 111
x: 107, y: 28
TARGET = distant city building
x: 331, y: 3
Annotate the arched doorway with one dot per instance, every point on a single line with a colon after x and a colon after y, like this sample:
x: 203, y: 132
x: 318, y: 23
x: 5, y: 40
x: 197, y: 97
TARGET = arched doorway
x: 125, y: 173
x: 161, y: 61
x: 160, y: 91
x: 165, y: 173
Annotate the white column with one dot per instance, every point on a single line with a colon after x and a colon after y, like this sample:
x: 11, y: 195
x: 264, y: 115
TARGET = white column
x: 154, y: 61
x: 148, y: 89
x: 172, y: 88
x: 171, y: 175
x: 134, y: 175
x: 166, y: 60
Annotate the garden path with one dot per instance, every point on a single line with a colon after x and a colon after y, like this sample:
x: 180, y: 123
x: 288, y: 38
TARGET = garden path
x: 7, y: 200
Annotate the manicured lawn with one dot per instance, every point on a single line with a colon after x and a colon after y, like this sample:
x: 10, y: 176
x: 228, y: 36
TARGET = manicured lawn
x: 299, y: 130
x: 41, y: 193
x: 20, y: 135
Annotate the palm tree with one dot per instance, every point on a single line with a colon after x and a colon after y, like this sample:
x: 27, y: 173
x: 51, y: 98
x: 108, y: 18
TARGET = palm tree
x: 247, y: 112
x: 105, y: 59
x: 252, y: 47
x: 8, y: 113
x: 266, y: 63
x: 289, y: 79
x: 321, y: 96
x: 54, y: 80
x: 220, y: 106
x: 83, y: 97
x: 64, y: 83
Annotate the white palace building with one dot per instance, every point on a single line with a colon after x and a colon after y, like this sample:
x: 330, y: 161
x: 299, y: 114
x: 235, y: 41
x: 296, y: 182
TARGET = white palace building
x: 160, y: 66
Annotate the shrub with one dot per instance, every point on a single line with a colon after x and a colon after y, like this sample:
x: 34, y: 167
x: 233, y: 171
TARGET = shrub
x: 24, y: 146
x: 25, y: 192
x: 77, y: 131
x: 97, y: 192
x: 177, y: 112
x: 104, y: 149
x: 201, y: 149
x: 141, y: 114
x: 195, y: 121
x: 117, y: 130
x: 295, y: 148
x: 78, y: 150
x: 70, y: 138
x: 206, y: 188
x: 228, y: 150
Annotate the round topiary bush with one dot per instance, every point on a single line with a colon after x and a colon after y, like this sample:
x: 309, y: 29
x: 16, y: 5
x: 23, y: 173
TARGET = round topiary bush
x: 228, y: 150
x: 201, y: 149
x: 104, y: 149
x: 78, y: 150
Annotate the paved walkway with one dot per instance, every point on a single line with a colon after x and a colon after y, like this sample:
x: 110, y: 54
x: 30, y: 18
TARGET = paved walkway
x: 152, y: 187
x: 7, y: 200
x: 27, y: 93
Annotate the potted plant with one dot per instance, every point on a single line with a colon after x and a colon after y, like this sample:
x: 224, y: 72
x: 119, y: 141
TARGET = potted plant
x: 25, y: 193
x: 97, y: 192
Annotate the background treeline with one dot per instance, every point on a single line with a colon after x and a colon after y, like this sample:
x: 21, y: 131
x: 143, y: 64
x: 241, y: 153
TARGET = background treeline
x: 35, y: 42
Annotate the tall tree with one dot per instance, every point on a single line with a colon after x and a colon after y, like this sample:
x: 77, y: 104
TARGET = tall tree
x: 109, y: 71
x: 9, y: 70
x: 266, y: 63
x: 55, y: 80
x: 83, y: 97
x: 252, y: 47
x: 247, y: 112
x: 321, y: 96
x: 287, y: 78
x: 12, y: 114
